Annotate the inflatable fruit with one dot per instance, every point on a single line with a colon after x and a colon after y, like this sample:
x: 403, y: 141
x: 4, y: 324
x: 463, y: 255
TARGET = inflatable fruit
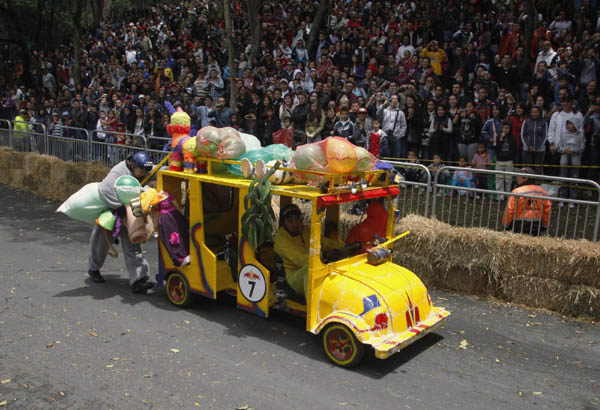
x: 340, y: 154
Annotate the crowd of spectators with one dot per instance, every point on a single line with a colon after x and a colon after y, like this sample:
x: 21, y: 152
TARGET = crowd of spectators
x: 436, y: 77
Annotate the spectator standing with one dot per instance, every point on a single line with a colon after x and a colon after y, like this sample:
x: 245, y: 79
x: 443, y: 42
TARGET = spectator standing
x: 481, y: 160
x: 570, y: 145
x: 299, y: 114
x: 206, y: 113
x: 440, y: 129
x: 491, y: 130
x: 534, y: 134
x: 592, y: 134
x: 469, y: 131
x: 393, y: 122
x: 315, y: 122
x: 268, y: 124
x: 504, y: 159
x: 21, y: 131
x: 344, y: 127
x: 215, y: 85
x: 377, y: 143
x: 547, y: 55
x: 436, y: 55
x: 362, y: 128
x: 222, y: 113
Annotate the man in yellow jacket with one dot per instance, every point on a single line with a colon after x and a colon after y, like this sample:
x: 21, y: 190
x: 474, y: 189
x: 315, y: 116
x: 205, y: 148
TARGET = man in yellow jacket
x: 436, y: 55
x: 292, y: 242
x: 526, y: 214
x: 20, y: 131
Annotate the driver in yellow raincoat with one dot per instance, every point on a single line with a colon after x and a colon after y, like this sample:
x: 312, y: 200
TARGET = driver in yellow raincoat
x: 292, y: 244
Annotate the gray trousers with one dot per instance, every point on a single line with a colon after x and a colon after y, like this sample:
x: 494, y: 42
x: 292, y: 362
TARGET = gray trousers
x: 575, y: 161
x: 504, y: 182
x: 136, y: 264
x: 468, y: 151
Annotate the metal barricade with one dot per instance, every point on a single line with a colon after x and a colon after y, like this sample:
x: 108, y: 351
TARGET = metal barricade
x: 110, y: 153
x: 157, y: 143
x: 68, y: 143
x: 5, y: 133
x: 30, y: 139
x: 462, y: 204
x: 157, y: 155
x: 413, y: 197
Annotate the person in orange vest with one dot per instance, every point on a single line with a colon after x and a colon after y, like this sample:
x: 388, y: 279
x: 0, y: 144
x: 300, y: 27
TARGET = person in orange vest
x: 525, y: 214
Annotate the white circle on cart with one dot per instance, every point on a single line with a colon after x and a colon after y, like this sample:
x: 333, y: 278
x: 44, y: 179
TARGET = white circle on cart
x: 252, y: 283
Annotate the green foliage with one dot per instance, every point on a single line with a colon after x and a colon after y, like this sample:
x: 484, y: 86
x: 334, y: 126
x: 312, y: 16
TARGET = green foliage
x: 257, y: 221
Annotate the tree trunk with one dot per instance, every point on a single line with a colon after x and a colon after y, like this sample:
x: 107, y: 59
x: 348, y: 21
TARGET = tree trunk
x: 40, y: 16
x: 320, y: 16
x: 231, y: 54
x: 76, y: 13
x: 254, y: 7
x: 529, y: 28
x: 50, y: 33
x: 106, y: 5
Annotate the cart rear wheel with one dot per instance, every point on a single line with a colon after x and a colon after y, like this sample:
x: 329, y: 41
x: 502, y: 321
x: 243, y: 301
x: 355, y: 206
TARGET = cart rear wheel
x: 341, y: 345
x: 178, y: 290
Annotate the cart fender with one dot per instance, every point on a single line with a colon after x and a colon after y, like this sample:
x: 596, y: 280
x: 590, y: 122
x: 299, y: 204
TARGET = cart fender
x: 357, y: 324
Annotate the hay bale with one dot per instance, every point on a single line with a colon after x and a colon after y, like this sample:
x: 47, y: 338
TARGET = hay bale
x: 546, y: 272
x: 46, y: 175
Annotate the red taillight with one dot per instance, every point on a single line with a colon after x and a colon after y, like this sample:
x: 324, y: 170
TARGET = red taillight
x: 381, y: 321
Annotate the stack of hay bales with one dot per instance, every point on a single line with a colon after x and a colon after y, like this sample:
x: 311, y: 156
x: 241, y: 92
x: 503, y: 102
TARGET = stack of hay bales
x: 556, y: 274
x: 46, y: 175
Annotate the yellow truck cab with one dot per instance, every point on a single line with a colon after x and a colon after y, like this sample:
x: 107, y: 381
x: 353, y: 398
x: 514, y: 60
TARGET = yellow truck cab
x: 362, y: 300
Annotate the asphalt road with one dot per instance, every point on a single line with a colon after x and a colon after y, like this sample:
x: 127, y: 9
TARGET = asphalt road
x: 66, y: 343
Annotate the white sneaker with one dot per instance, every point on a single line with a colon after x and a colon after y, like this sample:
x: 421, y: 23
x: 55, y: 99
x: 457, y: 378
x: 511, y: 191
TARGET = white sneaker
x: 186, y: 261
x: 561, y: 204
x: 571, y: 205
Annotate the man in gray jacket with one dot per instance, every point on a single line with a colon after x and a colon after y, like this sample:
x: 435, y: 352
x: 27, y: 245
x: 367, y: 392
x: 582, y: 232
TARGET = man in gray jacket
x: 138, y: 166
x: 393, y: 122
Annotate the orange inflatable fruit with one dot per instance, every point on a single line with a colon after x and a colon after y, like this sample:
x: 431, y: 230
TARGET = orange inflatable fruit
x: 341, y: 155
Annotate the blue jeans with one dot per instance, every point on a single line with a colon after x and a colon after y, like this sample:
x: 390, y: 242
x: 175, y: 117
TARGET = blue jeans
x: 399, y: 147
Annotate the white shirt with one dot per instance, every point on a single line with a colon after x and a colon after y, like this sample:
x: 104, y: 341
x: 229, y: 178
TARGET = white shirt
x: 558, y: 124
x: 401, y: 51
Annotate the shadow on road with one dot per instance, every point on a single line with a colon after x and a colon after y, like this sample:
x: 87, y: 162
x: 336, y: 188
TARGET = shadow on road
x: 279, y: 329
x: 118, y: 286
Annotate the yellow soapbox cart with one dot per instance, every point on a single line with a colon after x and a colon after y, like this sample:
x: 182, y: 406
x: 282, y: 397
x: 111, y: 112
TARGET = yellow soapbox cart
x: 363, y: 300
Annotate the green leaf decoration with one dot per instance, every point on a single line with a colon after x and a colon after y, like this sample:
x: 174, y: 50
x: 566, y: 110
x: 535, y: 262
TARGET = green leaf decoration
x: 257, y: 220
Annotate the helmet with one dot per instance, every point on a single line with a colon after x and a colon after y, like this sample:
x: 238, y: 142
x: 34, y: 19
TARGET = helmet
x: 142, y: 160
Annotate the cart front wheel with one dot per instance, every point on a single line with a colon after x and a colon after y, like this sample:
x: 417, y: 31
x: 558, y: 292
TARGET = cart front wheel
x: 341, y: 345
x: 178, y: 290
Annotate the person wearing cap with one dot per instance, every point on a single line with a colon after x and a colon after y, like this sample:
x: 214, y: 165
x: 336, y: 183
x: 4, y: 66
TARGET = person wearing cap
x: 292, y: 245
x: 138, y: 166
x: 526, y: 214
x: 362, y: 128
x: 141, y: 102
